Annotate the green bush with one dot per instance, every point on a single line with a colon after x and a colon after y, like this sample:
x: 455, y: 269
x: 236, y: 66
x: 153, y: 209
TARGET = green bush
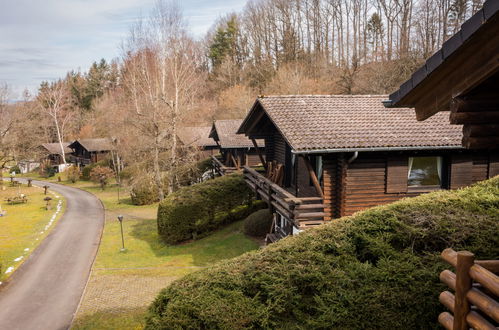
x: 15, y: 169
x: 196, y: 210
x: 378, y: 269
x: 205, y: 165
x: 85, y: 172
x: 144, y: 193
x: 258, y: 224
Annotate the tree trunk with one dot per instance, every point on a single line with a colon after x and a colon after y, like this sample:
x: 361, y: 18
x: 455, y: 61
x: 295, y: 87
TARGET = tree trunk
x: 157, y: 174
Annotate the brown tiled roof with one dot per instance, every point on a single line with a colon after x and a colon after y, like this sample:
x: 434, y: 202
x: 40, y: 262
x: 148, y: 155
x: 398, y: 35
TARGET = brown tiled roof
x: 196, y: 136
x: 354, y: 122
x: 55, y: 148
x: 93, y: 145
x: 226, y: 130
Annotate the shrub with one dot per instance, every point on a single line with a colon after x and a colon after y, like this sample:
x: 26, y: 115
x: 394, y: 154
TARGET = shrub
x: 73, y: 174
x: 196, y: 210
x: 377, y: 269
x: 101, y: 175
x: 258, y: 224
x: 15, y: 169
x: 47, y: 170
x: 85, y: 172
x: 144, y: 192
x: 205, y: 165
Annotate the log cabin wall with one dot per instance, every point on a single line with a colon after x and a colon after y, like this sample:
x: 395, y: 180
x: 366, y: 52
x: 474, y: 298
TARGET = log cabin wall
x: 371, y: 180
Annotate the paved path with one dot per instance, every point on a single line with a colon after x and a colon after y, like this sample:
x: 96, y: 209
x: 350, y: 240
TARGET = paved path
x: 45, y: 291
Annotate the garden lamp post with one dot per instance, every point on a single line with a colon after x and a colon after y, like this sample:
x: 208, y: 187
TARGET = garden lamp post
x: 120, y: 219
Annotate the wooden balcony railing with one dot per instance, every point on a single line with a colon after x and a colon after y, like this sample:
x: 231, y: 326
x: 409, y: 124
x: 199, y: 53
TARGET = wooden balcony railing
x: 79, y: 160
x: 302, y: 212
x: 476, y: 286
x: 220, y: 168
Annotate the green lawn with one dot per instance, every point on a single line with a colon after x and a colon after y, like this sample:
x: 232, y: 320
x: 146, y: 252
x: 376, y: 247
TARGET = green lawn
x: 24, y: 226
x: 123, y: 284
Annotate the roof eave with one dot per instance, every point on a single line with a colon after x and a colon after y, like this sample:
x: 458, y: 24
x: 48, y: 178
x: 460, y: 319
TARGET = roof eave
x: 374, y: 149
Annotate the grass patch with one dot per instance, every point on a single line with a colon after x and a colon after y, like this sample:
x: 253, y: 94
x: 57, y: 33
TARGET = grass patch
x: 123, y: 284
x: 112, y: 320
x: 23, y: 227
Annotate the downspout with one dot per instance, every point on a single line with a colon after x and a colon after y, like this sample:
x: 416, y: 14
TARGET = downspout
x: 354, y: 157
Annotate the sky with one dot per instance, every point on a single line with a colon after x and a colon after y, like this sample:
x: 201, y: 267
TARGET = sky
x: 43, y: 39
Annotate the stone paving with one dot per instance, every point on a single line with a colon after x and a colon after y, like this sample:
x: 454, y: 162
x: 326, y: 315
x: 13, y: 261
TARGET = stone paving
x: 117, y: 292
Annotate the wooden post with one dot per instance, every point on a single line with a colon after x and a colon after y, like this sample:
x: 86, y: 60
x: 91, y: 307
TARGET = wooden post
x: 259, y: 154
x: 465, y: 260
x: 313, y: 176
x: 236, y: 164
x: 271, y: 207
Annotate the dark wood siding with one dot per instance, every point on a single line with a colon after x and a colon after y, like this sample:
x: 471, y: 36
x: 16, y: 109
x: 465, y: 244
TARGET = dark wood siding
x: 305, y: 188
x: 332, y: 193
x: 494, y: 165
x: 396, y: 174
x: 480, y: 168
x: 365, y: 182
x: 279, y: 153
x: 461, y: 171
x: 269, y: 148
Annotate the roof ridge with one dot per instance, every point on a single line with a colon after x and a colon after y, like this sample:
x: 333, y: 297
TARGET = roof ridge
x: 324, y: 96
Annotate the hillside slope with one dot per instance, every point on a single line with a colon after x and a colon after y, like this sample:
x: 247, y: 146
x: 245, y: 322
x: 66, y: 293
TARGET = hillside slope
x: 376, y: 269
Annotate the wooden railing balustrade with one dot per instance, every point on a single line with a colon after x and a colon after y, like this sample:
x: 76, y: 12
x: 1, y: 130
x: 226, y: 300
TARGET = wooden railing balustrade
x: 302, y: 212
x: 476, y: 287
x: 220, y: 168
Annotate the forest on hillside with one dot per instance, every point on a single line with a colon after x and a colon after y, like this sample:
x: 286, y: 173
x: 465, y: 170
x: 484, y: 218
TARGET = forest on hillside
x: 166, y: 78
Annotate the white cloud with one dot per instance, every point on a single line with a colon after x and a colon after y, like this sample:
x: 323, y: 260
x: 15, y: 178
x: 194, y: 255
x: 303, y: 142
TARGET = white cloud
x: 44, y: 39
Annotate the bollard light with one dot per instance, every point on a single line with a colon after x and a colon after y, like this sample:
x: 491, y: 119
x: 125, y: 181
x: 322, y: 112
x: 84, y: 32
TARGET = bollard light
x: 120, y: 219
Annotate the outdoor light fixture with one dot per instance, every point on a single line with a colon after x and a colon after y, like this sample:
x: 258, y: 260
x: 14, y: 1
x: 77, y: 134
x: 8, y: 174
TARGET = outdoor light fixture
x: 120, y: 219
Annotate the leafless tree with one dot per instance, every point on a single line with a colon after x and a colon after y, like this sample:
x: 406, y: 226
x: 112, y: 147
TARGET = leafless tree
x: 55, y: 100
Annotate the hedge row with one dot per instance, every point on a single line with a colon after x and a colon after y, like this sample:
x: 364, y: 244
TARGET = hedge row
x: 196, y: 210
x: 377, y: 269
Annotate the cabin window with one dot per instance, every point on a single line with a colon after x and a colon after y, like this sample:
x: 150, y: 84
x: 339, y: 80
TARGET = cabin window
x: 424, y: 172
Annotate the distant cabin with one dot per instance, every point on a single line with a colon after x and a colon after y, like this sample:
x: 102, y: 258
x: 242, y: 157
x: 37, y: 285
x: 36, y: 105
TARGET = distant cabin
x: 88, y: 151
x: 331, y: 156
x: 199, y: 137
x: 236, y: 150
x: 53, y: 153
x: 463, y: 78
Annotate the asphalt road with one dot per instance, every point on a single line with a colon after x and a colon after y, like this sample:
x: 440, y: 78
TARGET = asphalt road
x: 45, y: 291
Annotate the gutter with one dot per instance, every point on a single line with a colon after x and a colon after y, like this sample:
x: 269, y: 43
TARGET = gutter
x: 327, y: 151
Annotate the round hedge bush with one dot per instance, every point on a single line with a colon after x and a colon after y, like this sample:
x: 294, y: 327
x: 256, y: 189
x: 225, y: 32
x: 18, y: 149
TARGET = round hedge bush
x: 258, y: 224
x: 378, y: 269
x: 196, y: 210
x: 144, y: 193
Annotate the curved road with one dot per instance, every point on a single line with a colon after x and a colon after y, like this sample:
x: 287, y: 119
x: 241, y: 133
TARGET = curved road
x: 45, y: 291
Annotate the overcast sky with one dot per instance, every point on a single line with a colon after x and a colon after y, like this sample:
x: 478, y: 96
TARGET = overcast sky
x: 44, y: 39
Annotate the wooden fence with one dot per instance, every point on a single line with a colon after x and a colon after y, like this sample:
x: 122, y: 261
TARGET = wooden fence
x: 476, y: 288
x: 220, y: 168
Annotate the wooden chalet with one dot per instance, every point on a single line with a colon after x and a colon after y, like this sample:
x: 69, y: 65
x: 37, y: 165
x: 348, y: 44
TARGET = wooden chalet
x: 87, y: 151
x: 331, y: 156
x: 236, y: 150
x: 463, y: 78
x: 53, y: 153
x: 198, y: 137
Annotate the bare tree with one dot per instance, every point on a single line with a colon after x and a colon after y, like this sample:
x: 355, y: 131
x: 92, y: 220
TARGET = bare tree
x: 55, y: 100
x: 161, y: 79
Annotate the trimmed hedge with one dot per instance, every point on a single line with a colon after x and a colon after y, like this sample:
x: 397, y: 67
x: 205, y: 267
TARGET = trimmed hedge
x: 378, y: 269
x: 258, y: 224
x: 144, y: 193
x: 196, y: 210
